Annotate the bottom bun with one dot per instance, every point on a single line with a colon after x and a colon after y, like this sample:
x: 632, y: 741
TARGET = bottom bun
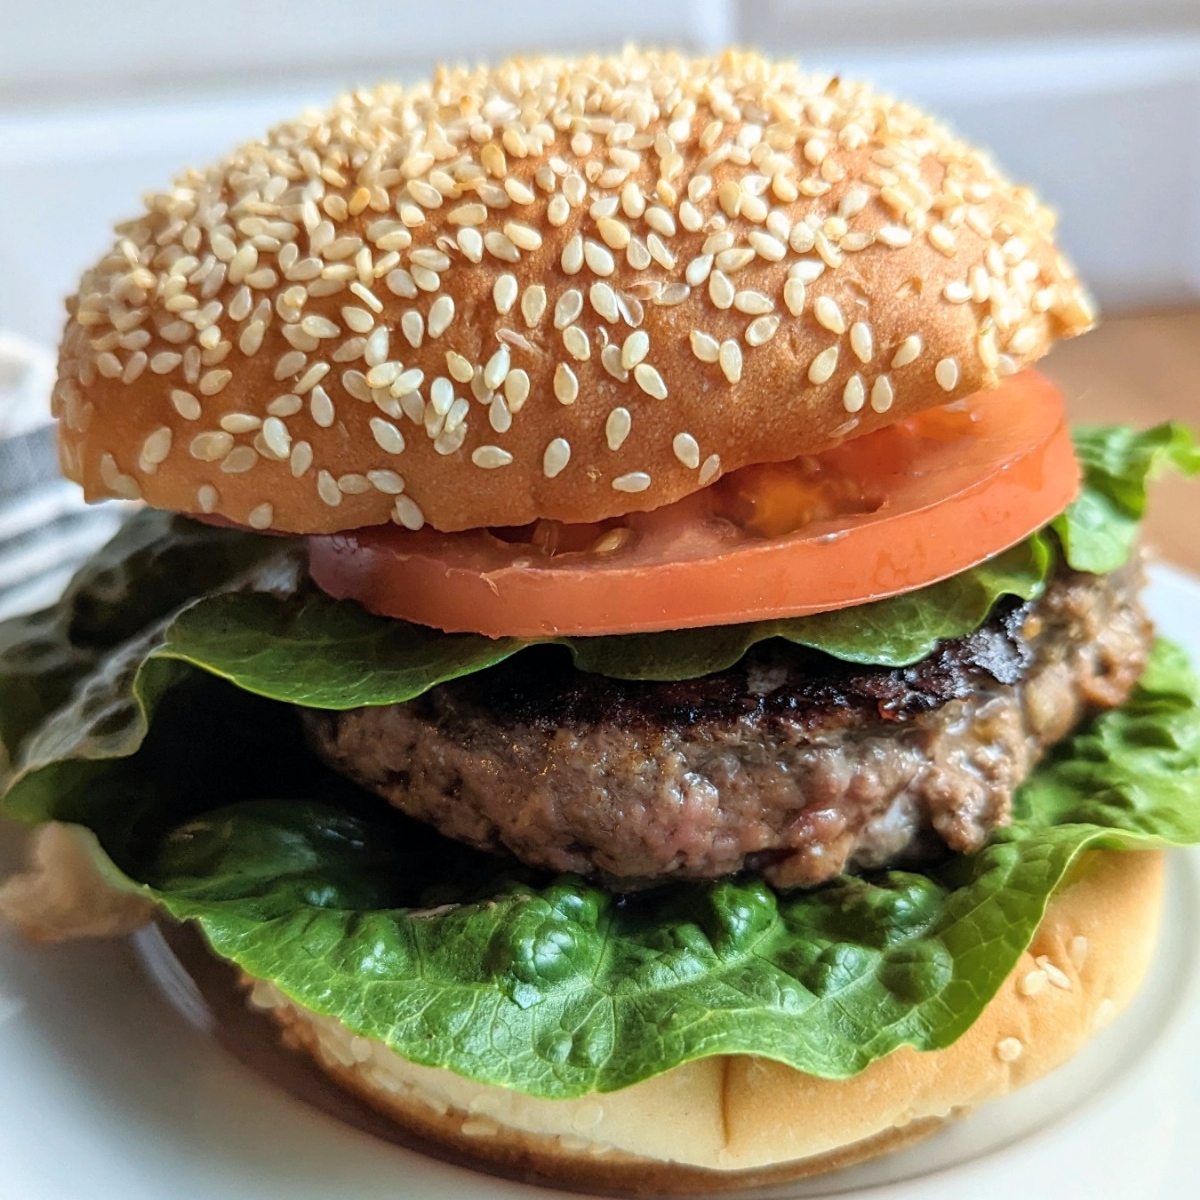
x: 738, y: 1121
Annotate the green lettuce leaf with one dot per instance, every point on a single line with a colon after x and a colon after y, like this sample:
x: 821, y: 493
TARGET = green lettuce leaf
x: 204, y: 798
x: 1099, y: 529
x: 322, y: 653
x: 155, y: 565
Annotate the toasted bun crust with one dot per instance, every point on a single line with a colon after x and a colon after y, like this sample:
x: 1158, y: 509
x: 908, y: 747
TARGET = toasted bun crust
x: 564, y: 289
x: 734, y: 1122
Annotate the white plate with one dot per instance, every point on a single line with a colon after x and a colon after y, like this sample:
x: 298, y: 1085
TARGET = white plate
x: 111, y: 1091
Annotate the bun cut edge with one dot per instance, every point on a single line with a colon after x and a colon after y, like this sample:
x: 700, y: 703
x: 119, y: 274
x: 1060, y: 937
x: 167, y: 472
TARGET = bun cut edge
x: 551, y: 289
x: 733, y: 1122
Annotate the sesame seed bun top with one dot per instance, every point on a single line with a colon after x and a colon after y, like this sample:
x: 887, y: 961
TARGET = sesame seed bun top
x: 564, y: 289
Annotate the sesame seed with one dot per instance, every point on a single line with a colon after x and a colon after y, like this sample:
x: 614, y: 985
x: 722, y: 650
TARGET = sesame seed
x: 635, y: 349
x: 383, y: 375
x: 387, y: 436
x: 555, y: 457
x: 894, y: 236
x: 505, y: 291
x: 156, y: 447
x: 735, y: 259
x: 367, y: 296
x: 516, y: 389
x: 687, y: 450
x: 164, y: 362
x: 853, y: 202
x: 753, y: 303
x: 614, y: 232
x: 634, y: 481
x: 854, y: 394
x: 617, y: 427
x: 829, y: 314
x: 238, y: 422
x: 793, y: 296
x: 470, y: 242
x: 1077, y: 951
x: 766, y: 246
x: 441, y: 314
x: 499, y: 414
x: 558, y: 210
x: 497, y: 368
x: 261, y: 517
x: 568, y: 308
x: 407, y: 382
x: 980, y: 283
x: 882, y: 394
x: 610, y: 360
x: 598, y: 258
x: 604, y: 301
x: 450, y: 440
x: 319, y: 327
x: 376, y: 350
x: 710, y: 470
x: 209, y: 447
x: 533, y: 304
x: 460, y: 368
x: 321, y: 407
x: 214, y: 382
x: 207, y: 497
x: 908, y: 351
x: 491, y: 457
x: 301, y: 459
x: 721, y: 290
x: 185, y: 404
x: 730, y: 357
x: 946, y: 374
x: 412, y: 325
x: 387, y: 482
x: 1023, y: 341
x: 650, y: 381
x: 357, y: 319
x: 401, y: 283
x: 761, y: 330
x: 425, y: 279
x: 328, y: 489
x: 956, y: 292
x: 698, y: 269
x: 576, y: 342
x: 806, y: 270
x: 441, y: 396
x: 1054, y: 974
x: 239, y: 460
x: 408, y: 513
x: 801, y: 238
x: 1032, y: 983
x: 573, y: 255
x: 276, y: 438
x: 862, y: 341
x: 1009, y: 1049
x: 823, y: 365
x: 706, y: 349
x: 566, y: 386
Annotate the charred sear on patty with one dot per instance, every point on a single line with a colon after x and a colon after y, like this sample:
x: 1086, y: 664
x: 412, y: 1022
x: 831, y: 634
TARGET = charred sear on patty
x: 791, y: 763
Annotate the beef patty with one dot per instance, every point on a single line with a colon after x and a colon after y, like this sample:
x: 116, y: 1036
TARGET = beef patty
x: 791, y: 763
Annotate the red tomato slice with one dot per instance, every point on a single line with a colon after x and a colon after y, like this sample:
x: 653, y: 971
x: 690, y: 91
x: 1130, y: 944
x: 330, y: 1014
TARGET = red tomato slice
x: 886, y: 513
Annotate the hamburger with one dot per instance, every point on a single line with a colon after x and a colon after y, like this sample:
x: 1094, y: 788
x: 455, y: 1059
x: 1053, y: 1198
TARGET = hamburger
x: 620, y: 651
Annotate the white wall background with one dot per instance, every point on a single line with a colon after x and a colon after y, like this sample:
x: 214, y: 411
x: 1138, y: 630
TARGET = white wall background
x: 1097, y: 102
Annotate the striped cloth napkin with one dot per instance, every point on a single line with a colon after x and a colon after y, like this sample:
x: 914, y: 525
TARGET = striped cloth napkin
x: 46, y: 529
